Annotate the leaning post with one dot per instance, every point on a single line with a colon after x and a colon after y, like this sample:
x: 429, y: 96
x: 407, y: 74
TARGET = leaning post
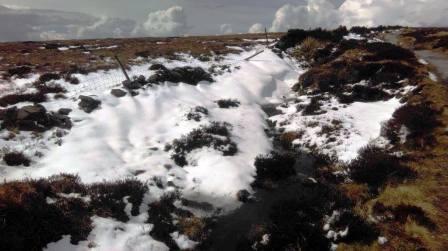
x: 122, y: 68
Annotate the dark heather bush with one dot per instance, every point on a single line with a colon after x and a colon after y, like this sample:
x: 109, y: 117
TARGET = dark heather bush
x: 228, y: 103
x: 197, y: 113
x: 313, y: 108
x: 16, y: 159
x: 384, y: 51
x: 162, y: 215
x: 107, y: 198
x: 297, y: 222
x: 375, y: 167
x: 274, y: 166
x: 45, y: 89
x: 359, y: 231
x: 360, y: 30
x: 48, y: 77
x: 206, y: 136
x: 295, y: 37
x: 20, y: 71
x: 28, y: 222
x: 363, y: 93
x: 13, y: 99
x: 420, y: 119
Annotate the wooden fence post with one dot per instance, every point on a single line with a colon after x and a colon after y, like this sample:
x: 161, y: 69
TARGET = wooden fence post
x: 122, y: 68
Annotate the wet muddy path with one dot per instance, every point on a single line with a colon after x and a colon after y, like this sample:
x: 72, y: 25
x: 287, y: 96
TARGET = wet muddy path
x: 231, y: 228
x: 436, y: 59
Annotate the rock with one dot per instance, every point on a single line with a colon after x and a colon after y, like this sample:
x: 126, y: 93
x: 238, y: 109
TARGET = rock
x: 243, y: 196
x: 131, y: 85
x: 141, y: 80
x: 88, y: 104
x: 61, y: 120
x: 31, y: 112
x: 156, y: 67
x: 188, y: 75
x: 34, y: 118
x: 64, y: 111
x: 118, y: 93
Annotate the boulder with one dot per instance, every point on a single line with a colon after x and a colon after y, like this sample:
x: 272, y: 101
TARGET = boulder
x: 187, y: 74
x: 34, y: 118
x: 31, y: 112
x: 88, y: 104
x: 118, y: 93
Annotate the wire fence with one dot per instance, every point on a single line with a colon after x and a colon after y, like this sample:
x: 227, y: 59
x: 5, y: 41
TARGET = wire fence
x: 102, y: 81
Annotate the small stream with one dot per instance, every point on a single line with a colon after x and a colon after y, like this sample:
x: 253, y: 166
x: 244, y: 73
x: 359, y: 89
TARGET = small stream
x: 230, y: 228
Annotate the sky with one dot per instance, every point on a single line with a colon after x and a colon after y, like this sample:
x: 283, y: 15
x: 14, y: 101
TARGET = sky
x: 68, y: 19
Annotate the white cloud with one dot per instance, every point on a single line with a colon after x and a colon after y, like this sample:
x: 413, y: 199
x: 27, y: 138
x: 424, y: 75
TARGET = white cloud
x: 390, y: 12
x: 256, y: 28
x: 314, y: 13
x: 108, y: 27
x: 17, y: 24
x: 226, y: 29
x: 170, y: 22
x: 322, y: 13
x: 31, y: 24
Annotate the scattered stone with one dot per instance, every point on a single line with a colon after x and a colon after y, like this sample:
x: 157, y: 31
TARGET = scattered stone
x: 64, y: 111
x: 88, y: 104
x: 131, y: 85
x: 118, y: 93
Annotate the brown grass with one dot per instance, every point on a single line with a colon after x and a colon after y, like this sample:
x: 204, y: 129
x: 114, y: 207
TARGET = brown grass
x: 53, y: 60
x: 429, y: 190
x: 307, y: 49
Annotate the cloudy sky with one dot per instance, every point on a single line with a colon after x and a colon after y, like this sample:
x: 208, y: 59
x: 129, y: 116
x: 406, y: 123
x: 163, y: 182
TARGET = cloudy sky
x: 69, y: 19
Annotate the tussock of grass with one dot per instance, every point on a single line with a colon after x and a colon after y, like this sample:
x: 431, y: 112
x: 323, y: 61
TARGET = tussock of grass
x: 406, y: 195
x: 307, y: 49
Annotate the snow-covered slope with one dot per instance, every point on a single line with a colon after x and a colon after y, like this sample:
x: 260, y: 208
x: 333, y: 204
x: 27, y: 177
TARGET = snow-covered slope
x: 127, y: 138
